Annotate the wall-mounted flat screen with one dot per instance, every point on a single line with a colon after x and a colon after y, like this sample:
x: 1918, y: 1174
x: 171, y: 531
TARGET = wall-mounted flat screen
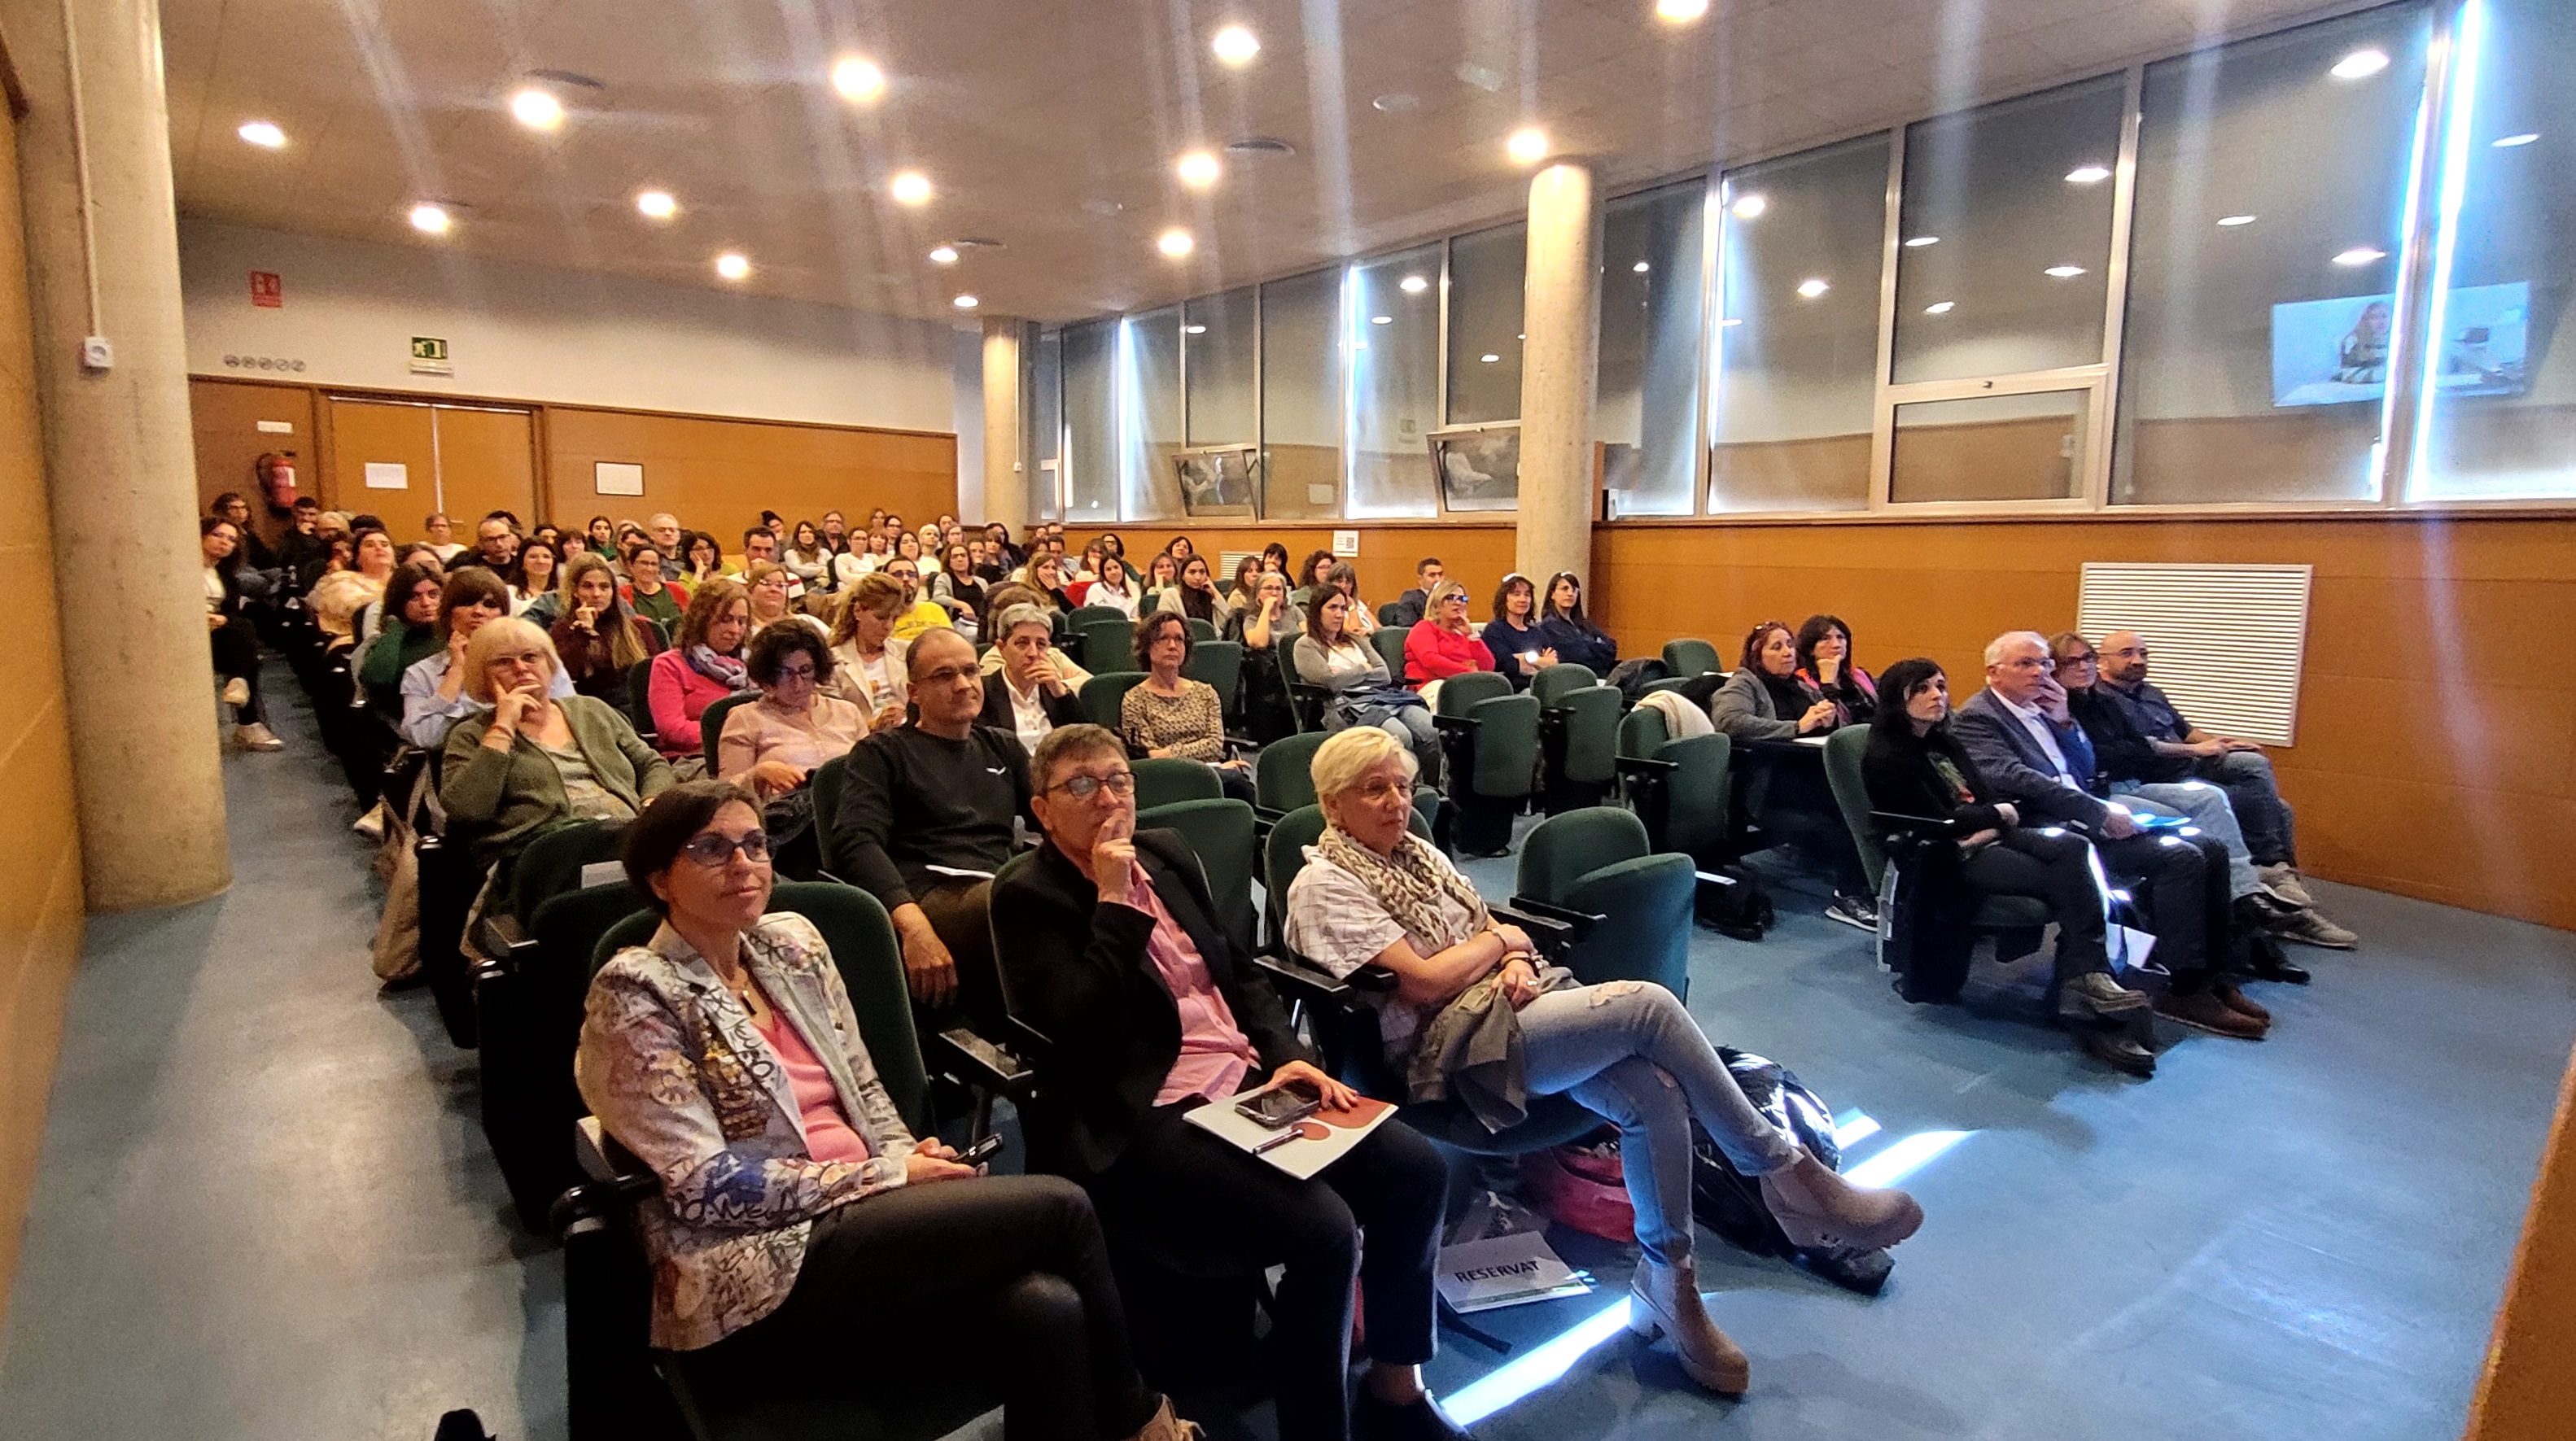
x: 2330, y: 352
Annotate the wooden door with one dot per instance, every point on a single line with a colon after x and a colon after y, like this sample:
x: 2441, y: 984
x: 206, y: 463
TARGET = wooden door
x: 227, y: 416
x: 397, y: 445
x: 487, y: 461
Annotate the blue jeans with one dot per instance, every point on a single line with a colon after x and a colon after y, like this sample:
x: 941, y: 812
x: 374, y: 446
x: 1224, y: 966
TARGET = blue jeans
x: 1629, y: 1051
x: 2206, y: 806
x: 2247, y: 778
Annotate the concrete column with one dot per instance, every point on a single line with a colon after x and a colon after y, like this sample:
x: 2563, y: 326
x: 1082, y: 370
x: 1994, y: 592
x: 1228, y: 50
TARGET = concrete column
x: 120, y: 469
x: 1560, y: 361
x: 1006, y: 457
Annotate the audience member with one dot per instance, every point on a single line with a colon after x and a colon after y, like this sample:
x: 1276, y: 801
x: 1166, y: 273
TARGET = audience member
x: 1046, y: 577
x: 580, y: 761
x: 2034, y: 756
x: 1312, y: 573
x: 663, y: 529
x: 1112, y: 588
x: 773, y: 745
x: 784, y: 1239
x: 1570, y: 633
x: 701, y: 559
x: 918, y: 616
x: 1194, y: 596
x: 703, y: 665
x: 1414, y: 604
x: 531, y: 579
x: 1332, y: 654
x: 300, y: 547
x: 406, y: 621
x: 597, y: 639
x: 254, y: 551
x: 1162, y: 578
x: 1915, y: 767
x: 925, y: 820
x: 441, y: 535
x: 957, y: 590
x: 1372, y: 893
x: 768, y: 585
x: 866, y: 553
x: 1788, y: 797
x: 602, y: 534
x: 652, y: 597
x: 1345, y: 578
x: 1256, y: 624
x: 1520, y: 649
x: 1116, y: 953
x: 337, y: 596
x: 1169, y: 715
x: 229, y: 633
x: 1442, y: 644
x: 1826, y: 669
x: 1247, y: 570
x: 1274, y: 558
x: 496, y: 544
x: 1032, y: 692
x: 433, y: 689
x: 867, y: 661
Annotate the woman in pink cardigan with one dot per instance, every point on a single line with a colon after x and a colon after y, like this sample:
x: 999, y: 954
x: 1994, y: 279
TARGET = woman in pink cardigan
x: 703, y: 665
x: 1440, y: 645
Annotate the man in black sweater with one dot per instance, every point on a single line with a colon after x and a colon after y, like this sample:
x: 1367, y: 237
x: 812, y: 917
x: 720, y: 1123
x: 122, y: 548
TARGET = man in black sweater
x: 925, y: 820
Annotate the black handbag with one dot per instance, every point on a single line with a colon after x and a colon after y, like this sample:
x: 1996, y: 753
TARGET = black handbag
x: 1730, y: 1203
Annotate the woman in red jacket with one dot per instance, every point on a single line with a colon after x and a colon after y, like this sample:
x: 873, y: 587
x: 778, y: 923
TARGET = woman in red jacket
x: 703, y: 665
x: 1440, y: 645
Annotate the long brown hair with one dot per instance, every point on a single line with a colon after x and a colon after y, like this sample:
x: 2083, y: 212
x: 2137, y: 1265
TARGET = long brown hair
x: 706, y: 603
x: 625, y: 647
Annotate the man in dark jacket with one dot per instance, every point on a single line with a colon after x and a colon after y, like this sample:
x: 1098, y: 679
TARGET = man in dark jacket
x: 1114, y: 952
x: 1411, y: 606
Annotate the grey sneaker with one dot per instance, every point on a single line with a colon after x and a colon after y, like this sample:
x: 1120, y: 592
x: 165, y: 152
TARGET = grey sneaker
x: 2282, y: 879
x: 2310, y: 929
x: 1858, y: 912
x: 2095, y: 994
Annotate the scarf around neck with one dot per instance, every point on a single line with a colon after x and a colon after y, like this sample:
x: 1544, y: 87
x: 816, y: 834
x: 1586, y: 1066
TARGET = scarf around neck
x: 724, y: 670
x: 1410, y: 883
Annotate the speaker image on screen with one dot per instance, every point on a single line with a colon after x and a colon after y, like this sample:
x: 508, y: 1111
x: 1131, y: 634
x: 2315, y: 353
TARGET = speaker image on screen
x: 1219, y: 479
x: 1479, y: 467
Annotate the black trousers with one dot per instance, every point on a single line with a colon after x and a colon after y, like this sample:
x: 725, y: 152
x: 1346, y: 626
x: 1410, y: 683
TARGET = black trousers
x: 236, y: 648
x: 1189, y: 1192
x: 1004, y: 1279
x: 2057, y: 869
x: 2184, y: 885
x: 960, y: 910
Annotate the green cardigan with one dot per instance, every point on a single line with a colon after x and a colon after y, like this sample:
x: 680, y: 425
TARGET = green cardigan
x: 504, y: 797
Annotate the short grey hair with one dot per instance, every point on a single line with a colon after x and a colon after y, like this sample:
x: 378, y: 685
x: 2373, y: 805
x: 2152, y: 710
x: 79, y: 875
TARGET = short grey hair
x: 1067, y: 744
x: 1351, y: 753
x: 1995, y: 648
x: 1015, y: 616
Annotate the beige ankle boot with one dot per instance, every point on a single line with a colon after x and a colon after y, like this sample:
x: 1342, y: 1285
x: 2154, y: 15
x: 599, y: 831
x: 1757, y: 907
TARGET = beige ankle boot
x: 1816, y: 1207
x: 1165, y: 1426
x: 1666, y: 1299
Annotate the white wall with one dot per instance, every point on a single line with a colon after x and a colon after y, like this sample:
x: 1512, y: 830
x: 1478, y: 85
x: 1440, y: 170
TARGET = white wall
x: 966, y: 382
x: 524, y: 332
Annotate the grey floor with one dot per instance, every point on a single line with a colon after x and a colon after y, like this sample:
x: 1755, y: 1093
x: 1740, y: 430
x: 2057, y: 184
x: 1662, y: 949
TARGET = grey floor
x: 265, y: 1209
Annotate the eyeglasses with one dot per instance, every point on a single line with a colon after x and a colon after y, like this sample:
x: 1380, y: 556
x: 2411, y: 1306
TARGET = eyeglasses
x: 947, y: 675
x: 1378, y: 788
x: 711, y: 849
x: 1083, y: 788
x: 795, y: 672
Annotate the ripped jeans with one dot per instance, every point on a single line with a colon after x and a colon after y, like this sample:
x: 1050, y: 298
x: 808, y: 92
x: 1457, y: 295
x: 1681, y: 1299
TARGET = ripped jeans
x: 1629, y: 1051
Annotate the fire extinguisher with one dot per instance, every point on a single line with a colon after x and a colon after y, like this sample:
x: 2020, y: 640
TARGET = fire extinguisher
x: 277, y: 480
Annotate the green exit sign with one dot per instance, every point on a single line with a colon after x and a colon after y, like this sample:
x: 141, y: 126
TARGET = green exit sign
x: 428, y: 347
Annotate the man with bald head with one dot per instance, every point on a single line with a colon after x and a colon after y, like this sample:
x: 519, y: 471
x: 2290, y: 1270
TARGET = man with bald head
x: 925, y: 820
x: 665, y: 530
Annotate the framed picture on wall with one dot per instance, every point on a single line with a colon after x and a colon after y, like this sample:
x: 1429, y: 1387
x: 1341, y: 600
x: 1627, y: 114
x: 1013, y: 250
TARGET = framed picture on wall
x: 1219, y: 480
x: 1479, y: 467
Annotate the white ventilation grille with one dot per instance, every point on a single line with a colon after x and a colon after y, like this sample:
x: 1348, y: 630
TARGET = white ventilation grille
x: 2228, y: 640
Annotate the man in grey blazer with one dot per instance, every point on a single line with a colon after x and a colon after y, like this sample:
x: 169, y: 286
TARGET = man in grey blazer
x: 2033, y: 754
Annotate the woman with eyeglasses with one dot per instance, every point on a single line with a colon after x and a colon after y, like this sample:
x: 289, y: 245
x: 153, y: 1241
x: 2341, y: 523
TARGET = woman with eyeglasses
x: 801, y: 1238
x: 774, y: 745
x: 1170, y: 716
x: 1441, y: 644
x: 1374, y: 894
x: 539, y: 756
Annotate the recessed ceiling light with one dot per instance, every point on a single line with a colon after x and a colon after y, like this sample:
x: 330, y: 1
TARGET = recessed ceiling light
x: 1381, y: 320
x: 858, y: 78
x: 2501, y: 142
x: 910, y: 188
x: 269, y: 137
x: 1917, y: 242
x: 2360, y: 255
x: 657, y: 204
x: 1235, y: 45
x: 1813, y: 286
x: 1175, y: 242
x: 1749, y: 207
x: 1193, y: 330
x: 1413, y: 285
x: 1940, y: 307
x: 2064, y: 272
x: 537, y: 109
x: 965, y: 302
x: 1199, y: 169
x: 732, y: 265
x: 2232, y: 221
x: 2360, y: 65
x: 1641, y: 267
x: 1680, y: 12
x: 431, y: 219
x: 1527, y: 146
x: 2088, y: 174
x: 1396, y: 103
x: 944, y: 255
x: 1489, y: 358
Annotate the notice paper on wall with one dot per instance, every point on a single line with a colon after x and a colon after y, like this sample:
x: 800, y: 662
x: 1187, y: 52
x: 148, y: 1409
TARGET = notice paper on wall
x: 1505, y: 1271
x: 1346, y: 542
x: 388, y: 475
x: 616, y: 477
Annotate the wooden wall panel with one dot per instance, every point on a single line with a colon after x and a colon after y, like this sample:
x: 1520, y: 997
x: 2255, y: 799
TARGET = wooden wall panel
x: 367, y: 431
x: 2437, y: 725
x: 487, y: 461
x: 226, y: 416
x: 718, y: 475
x: 41, y: 907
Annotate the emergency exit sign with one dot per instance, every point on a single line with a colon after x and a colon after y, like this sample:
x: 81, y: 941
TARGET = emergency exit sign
x: 429, y: 356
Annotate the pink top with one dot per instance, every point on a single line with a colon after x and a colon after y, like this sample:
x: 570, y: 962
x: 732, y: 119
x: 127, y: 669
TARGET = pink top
x: 1215, y: 1053
x: 828, y: 1136
x: 1431, y: 653
x: 679, y: 696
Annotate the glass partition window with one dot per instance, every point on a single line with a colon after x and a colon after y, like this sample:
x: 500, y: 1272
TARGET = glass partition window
x: 2004, y: 234
x: 1149, y: 414
x: 1046, y: 426
x: 1647, y: 411
x: 1221, y: 336
x: 2264, y: 253
x: 1989, y: 448
x: 1391, y: 391
x: 2499, y: 410
x: 1486, y: 270
x: 1301, y: 396
x: 1089, y: 482
x: 1801, y: 248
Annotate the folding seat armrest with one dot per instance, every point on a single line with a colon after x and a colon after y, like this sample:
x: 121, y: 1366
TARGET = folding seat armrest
x: 1458, y: 725
x: 982, y: 1063
x: 1899, y: 823
x: 1299, y: 980
x: 503, y: 940
x: 1552, y: 935
x: 1646, y: 767
x: 1576, y: 924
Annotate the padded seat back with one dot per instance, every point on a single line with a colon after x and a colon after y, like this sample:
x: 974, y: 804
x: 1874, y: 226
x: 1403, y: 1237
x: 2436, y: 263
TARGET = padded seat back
x: 1104, y: 696
x: 1201, y: 632
x: 552, y: 863
x: 1108, y: 645
x: 1079, y: 619
x: 1843, y: 751
x: 1218, y: 664
x: 1283, y: 777
x: 1461, y: 694
x: 1564, y: 848
x: 1219, y: 833
x: 1596, y: 861
x: 711, y: 722
x: 1691, y: 656
x: 1591, y: 734
x: 1390, y: 648
x: 1642, y: 732
x: 1506, y: 743
x: 1695, y: 821
x: 1552, y: 683
x: 1169, y: 780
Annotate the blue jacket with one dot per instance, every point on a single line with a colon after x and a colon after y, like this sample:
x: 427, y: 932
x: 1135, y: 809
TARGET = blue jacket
x: 1590, y: 648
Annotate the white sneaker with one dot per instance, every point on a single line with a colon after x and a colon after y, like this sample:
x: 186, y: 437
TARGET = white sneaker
x: 257, y: 737
x: 237, y: 691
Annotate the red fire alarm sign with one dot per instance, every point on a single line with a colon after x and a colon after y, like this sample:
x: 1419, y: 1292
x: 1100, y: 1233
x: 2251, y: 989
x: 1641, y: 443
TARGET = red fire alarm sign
x: 267, y: 291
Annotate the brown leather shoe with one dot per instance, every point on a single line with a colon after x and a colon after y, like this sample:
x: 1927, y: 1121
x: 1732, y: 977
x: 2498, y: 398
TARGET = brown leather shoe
x: 2116, y: 1050
x: 2202, y: 1010
x: 2235, y: 1000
